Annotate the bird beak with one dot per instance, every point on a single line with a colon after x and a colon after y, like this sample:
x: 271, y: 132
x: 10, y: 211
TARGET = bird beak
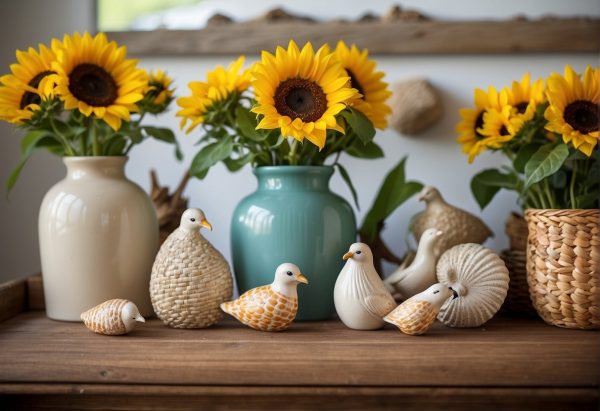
x: 301, y: 279
x: 204, y: 223
x: 454, y: 293
x: 139, y: 318
x: 421, y: 197
x: 348, y: 255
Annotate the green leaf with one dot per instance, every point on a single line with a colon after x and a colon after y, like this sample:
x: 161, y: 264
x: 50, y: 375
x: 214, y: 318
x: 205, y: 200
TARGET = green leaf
x: 115, y: 146
x: 359, y: 124
x: 545, y: 162
x: 485, y: 185
x: 369, y: 151
x: 523, y: 156
x: 14, y: 174
x: 559, y: 179
x: 246, y: 122
x: 394, y: 191
x: 209, y: 156
x: 166, y: 135
x: 235, y: 164
x: 589, y: 200
x: 346, y: 178
x: 31, y: 139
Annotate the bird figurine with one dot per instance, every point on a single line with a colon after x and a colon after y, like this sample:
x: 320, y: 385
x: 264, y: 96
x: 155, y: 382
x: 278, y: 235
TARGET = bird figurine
x: 190, y: 278
x: 361, y: 299
x: 112, y: 317
x: 271, y: 307
x: 420, y: 274
x: 415, y: 315
x: 458, y: 226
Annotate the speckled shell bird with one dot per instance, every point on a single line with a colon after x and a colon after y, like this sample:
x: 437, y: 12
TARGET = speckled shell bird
x: 458, y: 226
x: 112, y: 317
x: 360, y: 297
x: 417, y: 314
x: 271, y: 307
x: 190, y: 278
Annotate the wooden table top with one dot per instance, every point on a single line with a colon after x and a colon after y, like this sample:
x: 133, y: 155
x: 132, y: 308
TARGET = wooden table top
x: 506, y: 352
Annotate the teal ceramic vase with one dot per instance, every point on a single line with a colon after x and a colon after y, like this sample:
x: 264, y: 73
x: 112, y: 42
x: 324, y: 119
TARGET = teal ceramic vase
x: 293, y: 217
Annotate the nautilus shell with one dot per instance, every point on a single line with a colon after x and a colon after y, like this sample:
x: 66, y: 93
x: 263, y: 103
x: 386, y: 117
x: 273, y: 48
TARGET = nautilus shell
x: 112, y: 317
x: 481, y: 280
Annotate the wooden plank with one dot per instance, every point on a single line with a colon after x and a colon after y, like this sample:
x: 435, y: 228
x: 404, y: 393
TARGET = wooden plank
x: 62, y: 397
x: 12, y: 298
x: 426, y: 37
x: 35, y: 293
x: 506, y: 352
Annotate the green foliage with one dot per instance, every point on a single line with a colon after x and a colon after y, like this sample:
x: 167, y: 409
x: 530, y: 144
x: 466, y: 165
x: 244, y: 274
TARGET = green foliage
x: 545, y: 162
x: 394, y: 191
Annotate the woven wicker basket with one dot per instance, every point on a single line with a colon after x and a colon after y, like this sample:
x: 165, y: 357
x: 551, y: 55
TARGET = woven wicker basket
x: 563, y: 266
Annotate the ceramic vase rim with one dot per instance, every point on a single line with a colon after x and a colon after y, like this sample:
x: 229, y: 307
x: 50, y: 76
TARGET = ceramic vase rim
x: 290, y: 169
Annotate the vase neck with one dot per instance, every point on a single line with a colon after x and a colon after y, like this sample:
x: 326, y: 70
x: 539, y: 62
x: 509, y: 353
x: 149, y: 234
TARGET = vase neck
x: 294, y: 178
x: 79, y: 168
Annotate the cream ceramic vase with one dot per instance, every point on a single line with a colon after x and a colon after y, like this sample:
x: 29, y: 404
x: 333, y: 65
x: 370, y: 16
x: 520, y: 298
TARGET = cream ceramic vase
x: 98, y: 239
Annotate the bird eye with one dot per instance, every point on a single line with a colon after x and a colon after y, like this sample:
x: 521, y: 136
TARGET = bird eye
x: 290, y: 273
x: 358, y: 252
x: 436, y: 291
x: 192, y: 219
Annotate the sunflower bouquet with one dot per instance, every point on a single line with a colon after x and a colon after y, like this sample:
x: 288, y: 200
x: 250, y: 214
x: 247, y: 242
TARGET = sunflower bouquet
x: 548, y: 130
x: 296, y: 107
x: 82, y: 97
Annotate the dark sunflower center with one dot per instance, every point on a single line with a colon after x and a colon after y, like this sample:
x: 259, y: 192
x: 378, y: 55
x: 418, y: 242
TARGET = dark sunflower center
x: 33, y: 98
x: 478, y: 125
x: 522, y: 107
x: 504, y: 131
x: 300, y: 98
x: 354, y: 83
x: 93, y: 85
x: 583, y: 116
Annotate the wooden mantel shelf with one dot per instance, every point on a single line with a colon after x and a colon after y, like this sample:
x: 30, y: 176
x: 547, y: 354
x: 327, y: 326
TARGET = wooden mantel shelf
x: 507, y: 364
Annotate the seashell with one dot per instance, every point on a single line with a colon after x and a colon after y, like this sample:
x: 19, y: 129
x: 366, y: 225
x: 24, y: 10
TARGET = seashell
x: 480, y: 279
x: 112, y: 317
x: 413, y: 317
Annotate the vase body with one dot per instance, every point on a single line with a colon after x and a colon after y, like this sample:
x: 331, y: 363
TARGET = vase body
x: 563, y: 266
x: 98, y: 238
x: 293, y: 217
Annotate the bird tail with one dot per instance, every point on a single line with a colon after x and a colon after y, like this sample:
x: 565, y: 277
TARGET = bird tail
x: 227, y: 307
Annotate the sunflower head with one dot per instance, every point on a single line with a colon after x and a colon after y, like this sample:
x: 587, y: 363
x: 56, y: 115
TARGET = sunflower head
x: 373, y: 92
x: 158, y: 94
x: 94, y: 76
x: 498, y: 127
x: 472, y: 120
x: 222, y: 85
x: 22, y: 91
x: 525, y: 96
x: 300, y: 92
x: 574, y: 108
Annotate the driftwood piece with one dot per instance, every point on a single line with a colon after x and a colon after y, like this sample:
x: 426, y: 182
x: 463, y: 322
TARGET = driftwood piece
x: 416, y: 105
x: 169, y: 206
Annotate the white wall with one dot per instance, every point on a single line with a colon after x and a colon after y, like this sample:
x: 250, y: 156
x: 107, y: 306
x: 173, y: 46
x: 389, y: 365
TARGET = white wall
x: 434, y: 157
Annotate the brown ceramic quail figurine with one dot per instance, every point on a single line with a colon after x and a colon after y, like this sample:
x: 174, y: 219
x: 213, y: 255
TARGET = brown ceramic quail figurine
x: 458, y: 226
x: 271, y: 307
x: 415, y: 315
x: 190, y: 278
x: 112, y: 317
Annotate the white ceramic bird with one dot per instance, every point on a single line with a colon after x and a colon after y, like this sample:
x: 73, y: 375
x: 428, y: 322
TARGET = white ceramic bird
x: 420, y: 274
x: 271, y: 307
x: 415, y: 315
x: 458, y: 226
x: 190, y: 278
x: 112, y: 317
x: 360, y: 297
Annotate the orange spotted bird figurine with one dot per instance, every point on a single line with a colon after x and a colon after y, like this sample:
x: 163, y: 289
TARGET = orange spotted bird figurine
x: 271, y: 307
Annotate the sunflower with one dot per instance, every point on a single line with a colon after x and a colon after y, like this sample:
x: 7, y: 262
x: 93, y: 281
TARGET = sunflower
x: 301, y: 92
x: 473, y: 142
x: 95, y: 77
x: 524, y: 97
x: 364, y: 78
x: 159, y: 87
x: 499, y: 127
x: 22, y: 91
x: 574, y: 108
x: 219, y: 86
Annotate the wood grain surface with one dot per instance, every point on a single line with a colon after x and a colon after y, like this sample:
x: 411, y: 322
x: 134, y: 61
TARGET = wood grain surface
x: 426, y: 37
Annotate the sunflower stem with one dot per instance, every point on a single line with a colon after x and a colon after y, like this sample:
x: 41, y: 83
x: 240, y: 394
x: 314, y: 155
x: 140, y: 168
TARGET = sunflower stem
x: 64, y: 141
x: 292, y: 157
x: 94, y: 138
x: 572, y: 186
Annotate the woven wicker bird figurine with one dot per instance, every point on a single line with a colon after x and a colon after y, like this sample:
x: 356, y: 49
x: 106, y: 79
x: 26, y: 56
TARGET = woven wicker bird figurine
x: 360, y: 297
x: 271, y: 307
x: 190, y: 278
x: 112, y: 317
x: 415, y: 315
x: 458, y: 226
x: 420, y: 274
